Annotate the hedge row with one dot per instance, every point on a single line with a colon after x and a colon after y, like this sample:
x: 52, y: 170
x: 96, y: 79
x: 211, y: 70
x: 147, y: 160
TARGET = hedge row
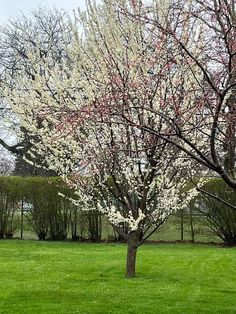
x: 49, y: 215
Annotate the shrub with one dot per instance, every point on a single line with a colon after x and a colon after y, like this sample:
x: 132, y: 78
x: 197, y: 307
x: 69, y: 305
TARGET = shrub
x: 10, y: 196
x: 94, y: 225
x: 221, y: 218
x: 47, y: 212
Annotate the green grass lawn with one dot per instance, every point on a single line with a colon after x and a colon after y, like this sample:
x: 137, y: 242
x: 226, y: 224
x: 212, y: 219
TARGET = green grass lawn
x: 50, y: 277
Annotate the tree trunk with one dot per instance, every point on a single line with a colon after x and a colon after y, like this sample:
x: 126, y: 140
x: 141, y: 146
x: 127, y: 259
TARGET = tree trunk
x: 131, y: 255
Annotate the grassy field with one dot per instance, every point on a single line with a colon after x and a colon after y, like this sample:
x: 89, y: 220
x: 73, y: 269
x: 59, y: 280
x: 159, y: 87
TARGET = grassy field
x: 47, y: 277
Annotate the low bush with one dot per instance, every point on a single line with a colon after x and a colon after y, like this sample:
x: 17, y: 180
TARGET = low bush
x: 220, y: 217
x: 10, y: 196
x: 48, y: 212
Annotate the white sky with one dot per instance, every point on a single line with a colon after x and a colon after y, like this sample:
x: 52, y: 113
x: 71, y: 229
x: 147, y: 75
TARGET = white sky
x: 13, y: 8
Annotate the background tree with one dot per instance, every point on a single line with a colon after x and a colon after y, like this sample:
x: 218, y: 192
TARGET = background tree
x: 44, y: 31
x: 6, y: 164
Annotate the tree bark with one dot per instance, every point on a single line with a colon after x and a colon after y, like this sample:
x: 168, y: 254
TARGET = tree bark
x: 131, y: 255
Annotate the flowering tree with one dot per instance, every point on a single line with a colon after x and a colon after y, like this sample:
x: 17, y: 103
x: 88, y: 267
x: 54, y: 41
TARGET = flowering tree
x: 87, y: 111
x: 200, y: 114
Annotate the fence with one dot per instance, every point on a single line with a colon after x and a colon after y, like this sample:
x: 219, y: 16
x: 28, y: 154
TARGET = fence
x: 82, y: 226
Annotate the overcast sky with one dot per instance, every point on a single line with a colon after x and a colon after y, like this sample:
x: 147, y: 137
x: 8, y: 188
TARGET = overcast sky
x: 13, y: 8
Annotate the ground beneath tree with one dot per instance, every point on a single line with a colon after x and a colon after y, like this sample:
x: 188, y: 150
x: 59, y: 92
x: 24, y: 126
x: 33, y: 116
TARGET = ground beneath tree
x: 50, y: 277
